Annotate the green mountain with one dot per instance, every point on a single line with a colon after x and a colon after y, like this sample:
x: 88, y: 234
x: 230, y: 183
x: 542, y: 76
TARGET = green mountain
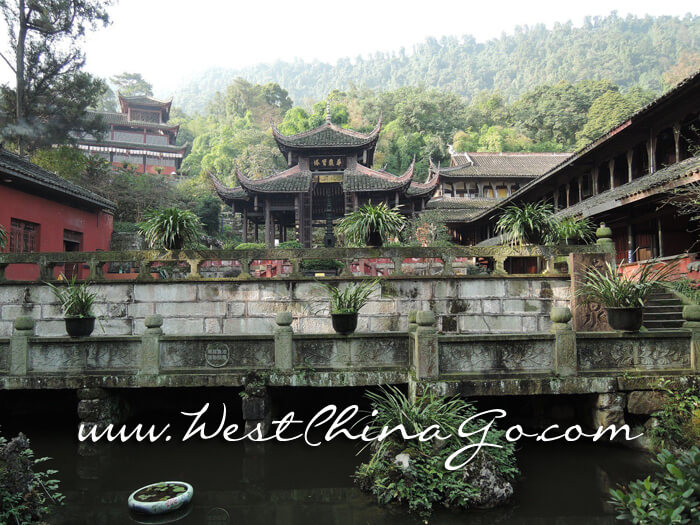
x: 627, y: 51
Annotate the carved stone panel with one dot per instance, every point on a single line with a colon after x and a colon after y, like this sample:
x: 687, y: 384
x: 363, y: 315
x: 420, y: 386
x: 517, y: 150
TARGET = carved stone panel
x: 604, y: 354
x: 380, y: 352
x: 57, y: 357
x: 496, y: 356
x: 115, y: 356
x: 221, y: 355
x: 662, y: 354
x: 587, y: 316
x: 321, y: 353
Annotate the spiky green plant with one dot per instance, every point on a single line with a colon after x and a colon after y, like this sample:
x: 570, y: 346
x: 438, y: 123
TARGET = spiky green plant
x: 572, y: 229
x: 380, y: 220
x: 612, y: 289
x: 3, y: 237
x: 170, y: 228
x: 351, y: 298
x: 529, y: 223
x: 76, y: 300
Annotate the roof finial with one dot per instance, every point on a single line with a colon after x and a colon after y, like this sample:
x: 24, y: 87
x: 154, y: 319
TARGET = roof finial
x: 328, y: 111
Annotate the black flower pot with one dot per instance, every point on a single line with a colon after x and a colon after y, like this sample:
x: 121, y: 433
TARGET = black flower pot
x: 344, y: 324
x: 79, y: 326
x: 626, y: 319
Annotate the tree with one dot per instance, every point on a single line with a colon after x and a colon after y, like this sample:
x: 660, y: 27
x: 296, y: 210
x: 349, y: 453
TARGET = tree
x: 607, y: 111
x: 51, y: 92
x: 132, y: 84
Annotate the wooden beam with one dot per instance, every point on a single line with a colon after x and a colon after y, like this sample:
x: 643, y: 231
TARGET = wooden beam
x: 244, y: 233
x: 269, y: 233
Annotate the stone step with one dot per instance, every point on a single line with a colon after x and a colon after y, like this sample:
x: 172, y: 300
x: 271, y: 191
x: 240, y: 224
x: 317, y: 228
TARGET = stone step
x: 662, y: 295
x: 660, y: 316
x: 664, y: 302
x: 663, y: 325
x: 653, y: 309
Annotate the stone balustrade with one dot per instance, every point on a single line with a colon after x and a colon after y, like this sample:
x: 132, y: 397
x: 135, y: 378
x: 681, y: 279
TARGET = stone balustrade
x: 558, y: 361
x: 147, y: 265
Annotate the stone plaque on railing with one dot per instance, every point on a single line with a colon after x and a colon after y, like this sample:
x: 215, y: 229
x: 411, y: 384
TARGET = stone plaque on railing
x: 587, y: 316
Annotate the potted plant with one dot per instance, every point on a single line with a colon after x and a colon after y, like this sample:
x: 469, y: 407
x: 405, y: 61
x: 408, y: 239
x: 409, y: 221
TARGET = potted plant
x: 623, y: 296
x: 346, y: 303
x: 530, y: 223
x: 571, y: 230
x: 371, y: 225
x: 76, y: 302
x: 170, y: 228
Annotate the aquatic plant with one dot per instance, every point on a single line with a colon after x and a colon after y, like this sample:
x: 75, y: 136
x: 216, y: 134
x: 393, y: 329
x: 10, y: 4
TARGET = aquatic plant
x: 671, y: 496
x: 413, y: 472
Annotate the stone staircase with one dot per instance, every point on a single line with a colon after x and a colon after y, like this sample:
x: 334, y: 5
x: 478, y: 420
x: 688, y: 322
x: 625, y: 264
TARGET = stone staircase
x: 663, y: 310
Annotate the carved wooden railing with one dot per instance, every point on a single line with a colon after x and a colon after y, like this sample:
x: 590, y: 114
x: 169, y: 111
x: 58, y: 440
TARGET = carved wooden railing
x: 188, y: 264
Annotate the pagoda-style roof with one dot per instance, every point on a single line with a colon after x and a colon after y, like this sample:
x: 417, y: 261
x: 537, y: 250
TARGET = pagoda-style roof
x: 292, y: 180
x: 226, y: 194
x: 122, y: 119
x: 427, y: 188
x: 326, y: 136
x: 22, y: 174
x: 145, y: 101
x: 364, y: 179
x: 480, y: 164
x: 460, y: 209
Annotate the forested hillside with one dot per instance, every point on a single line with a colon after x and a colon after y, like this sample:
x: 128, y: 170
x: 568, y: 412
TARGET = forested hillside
x: 626, y: 51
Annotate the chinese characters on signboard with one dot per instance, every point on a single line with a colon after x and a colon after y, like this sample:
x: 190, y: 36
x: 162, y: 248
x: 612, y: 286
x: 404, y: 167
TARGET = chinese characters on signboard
x: 334, y: 163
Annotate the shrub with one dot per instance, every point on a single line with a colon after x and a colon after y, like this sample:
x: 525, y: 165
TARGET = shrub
x: 689, y: 288
x: 369, y: 220
x: 677, y: 425
x: 321, y: 264
x: 76, y: 299
x: 170, y: 228
x: 251, y: 246
x: 673, y: 496
x: 3, y: 238
x: 26, y: 495
x: 125, y: 227
x: 530, y: 223
x: 423, y: 482
x: 290, y: 245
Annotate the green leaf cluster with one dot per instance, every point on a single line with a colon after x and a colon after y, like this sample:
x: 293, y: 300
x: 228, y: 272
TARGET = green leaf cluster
x: 671, y: 496
x: 170, y: 228
x: 350, y: 298
x: 76, y: 300
x: 356, y: 227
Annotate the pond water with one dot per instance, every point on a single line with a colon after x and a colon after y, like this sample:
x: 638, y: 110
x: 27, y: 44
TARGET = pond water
x: 293, y: 484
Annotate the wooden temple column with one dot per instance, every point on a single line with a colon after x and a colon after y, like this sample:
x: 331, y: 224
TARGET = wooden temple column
x: 297, y: 218
x: 630, y: 161
x: 269, y: 233
x: 611, y: 172
x: 677, y: 140
x: 630, y: 244
x: 355, y: 202
x: 651, y: 151
x: 256, y: 233
x: 244, y: 227
x: 555, y: 197
x: 396, y: 200
x: 594, y: 181
x: 568, y: 195
x: 579, y: 182
x: 661, y: 237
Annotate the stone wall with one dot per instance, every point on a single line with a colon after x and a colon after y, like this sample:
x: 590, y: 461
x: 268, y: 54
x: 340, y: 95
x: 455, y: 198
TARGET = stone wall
x: 461, y: 305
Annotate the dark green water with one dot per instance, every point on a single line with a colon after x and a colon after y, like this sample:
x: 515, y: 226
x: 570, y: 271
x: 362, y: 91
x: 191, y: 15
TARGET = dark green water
x: 293, y: 484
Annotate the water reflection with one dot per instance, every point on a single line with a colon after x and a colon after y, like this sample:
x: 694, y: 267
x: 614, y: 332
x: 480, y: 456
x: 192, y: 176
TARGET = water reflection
x: 292, y: 484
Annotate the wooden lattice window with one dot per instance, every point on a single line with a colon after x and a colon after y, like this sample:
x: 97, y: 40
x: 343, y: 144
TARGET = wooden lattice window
x: 24, y: 236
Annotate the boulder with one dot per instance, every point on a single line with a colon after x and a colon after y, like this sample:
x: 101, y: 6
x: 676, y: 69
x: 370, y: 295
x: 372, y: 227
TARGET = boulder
x: 646, y: 402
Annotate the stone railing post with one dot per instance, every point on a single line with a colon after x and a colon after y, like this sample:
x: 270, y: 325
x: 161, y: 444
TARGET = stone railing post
x: 284, y: 348
x: 398, y: 265
x: 19, y: 346
x: 145, y: 271
x: 499, y: 267
x: 604, y: 240
x: 425, y: 358
x: 95, y: 270
x: 245, y: 269
x: 565, y: 359
x: 195, y: 265
x: 412, y: 325
x: 150, y: 345
x: 691, y: 314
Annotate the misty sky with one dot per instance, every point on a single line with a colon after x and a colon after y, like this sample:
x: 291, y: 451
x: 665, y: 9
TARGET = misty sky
x: 170, y: 40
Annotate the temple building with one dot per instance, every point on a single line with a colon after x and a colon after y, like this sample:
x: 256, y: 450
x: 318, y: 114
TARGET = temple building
x: 625, y: 178
x: 328, y: 176
x: 475, y: 182
x: 139, y: 136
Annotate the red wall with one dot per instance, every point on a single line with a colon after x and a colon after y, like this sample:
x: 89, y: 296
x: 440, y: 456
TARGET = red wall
x: 53, y: 217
